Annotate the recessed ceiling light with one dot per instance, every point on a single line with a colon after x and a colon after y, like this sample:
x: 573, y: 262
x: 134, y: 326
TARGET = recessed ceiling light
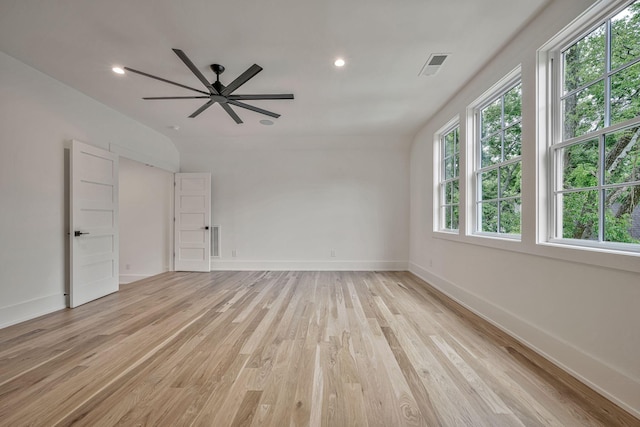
x: 339, y: 62
x: 174, y: 127
x: 266, y: 122
x: 118, y: 70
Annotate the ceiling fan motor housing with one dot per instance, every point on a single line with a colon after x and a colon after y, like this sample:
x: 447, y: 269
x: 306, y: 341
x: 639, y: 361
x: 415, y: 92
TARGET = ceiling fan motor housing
x: 217, y: 68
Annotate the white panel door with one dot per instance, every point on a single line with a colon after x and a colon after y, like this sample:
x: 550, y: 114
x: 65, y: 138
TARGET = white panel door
x: 94, y: 223
x: 192, y: 222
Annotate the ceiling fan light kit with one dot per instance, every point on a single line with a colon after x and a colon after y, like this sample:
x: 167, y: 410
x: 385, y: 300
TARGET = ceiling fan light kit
x: 216, y: 91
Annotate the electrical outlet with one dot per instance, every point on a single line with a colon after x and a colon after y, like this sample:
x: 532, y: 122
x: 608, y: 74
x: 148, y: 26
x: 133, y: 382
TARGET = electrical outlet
x: 333, y: 253
x: 127, y: 267
x: 430, y: 262
x: 234, y: 253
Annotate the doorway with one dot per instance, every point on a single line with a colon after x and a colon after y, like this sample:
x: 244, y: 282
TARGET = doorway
x: 146, y: 215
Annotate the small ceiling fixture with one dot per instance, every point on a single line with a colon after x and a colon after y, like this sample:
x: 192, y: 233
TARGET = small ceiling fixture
x: 339, y: 62
x: 266, y: 122
x: 216, y: 91
x: 117, y: 70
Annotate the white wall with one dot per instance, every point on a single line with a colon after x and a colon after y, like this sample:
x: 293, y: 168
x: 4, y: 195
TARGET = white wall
x: 146, y: 220
x: 577, y: 307
x: 37, y: 116
x: 289, y: 208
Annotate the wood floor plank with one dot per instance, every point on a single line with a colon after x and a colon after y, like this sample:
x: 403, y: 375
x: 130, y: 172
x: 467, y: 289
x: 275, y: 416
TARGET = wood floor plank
x: 282, y: 349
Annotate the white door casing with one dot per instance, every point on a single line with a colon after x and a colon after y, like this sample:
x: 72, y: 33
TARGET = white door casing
x: 192, y: 238
x: 93, y: 223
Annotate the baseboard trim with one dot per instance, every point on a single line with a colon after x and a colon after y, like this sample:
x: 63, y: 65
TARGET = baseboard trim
x: 601, y: 378
x: 128, y: 278
x: 28, y: 310
x: 242, y: 265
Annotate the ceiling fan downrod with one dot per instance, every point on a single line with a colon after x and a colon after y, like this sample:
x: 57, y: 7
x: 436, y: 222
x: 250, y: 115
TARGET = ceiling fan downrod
x: 218, y: 69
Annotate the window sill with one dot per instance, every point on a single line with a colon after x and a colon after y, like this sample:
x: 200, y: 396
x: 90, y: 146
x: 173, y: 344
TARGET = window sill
x: 586, y: 255
x: 597, y: 256
x: 504, y: 242
x: 447, y: 235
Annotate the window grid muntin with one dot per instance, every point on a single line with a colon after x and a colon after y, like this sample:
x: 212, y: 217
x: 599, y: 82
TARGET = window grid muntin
x: 605, y: 76
x: 444, y: 181
x: 556, y: 229
x: 602, y: 187
x: 500, y: 94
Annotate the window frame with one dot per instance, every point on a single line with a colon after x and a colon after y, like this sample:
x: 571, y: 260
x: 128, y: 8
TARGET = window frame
x: 553, y: 80
x: 439, y: 201
x: 474, y: 146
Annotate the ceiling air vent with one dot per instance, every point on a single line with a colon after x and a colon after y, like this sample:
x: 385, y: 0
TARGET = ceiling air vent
x: 433, y: 64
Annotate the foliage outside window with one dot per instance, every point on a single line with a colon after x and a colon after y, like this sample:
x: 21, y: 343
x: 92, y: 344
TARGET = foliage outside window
x: 596, y: 178
x: 449, y: 179
x: 498, y: 165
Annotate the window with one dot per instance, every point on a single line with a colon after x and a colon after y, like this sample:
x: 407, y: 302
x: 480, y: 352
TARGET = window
x: 498, y: 143
x: 449, y: 173
x: 595, y: 148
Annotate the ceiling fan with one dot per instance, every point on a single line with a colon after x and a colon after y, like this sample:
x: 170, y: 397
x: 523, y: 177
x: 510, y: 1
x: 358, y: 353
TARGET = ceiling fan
x: 217, y: 92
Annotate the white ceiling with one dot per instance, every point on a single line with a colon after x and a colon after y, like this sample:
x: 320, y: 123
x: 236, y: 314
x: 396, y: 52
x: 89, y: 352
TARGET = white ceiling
x: 378, y: 92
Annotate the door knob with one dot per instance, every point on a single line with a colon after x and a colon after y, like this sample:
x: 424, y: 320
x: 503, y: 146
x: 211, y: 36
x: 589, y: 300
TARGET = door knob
x: 206, y: 227
x: 78, y: 233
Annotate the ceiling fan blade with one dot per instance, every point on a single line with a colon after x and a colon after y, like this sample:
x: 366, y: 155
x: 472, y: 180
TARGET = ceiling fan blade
x: 175, y: 97
x: 252, y: 108
x: 230, y: 111
x: 164, y: 80
x: 242, y: 79
x: 266, y: 96
x: 201, y: 109
x: 195, y: 70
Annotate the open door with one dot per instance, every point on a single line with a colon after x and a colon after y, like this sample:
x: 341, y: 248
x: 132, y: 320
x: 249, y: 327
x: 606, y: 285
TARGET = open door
x: 192, y: 222
x: 94, y: 223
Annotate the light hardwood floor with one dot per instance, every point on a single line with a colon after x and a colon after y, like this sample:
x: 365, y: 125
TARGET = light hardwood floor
x: 278, y: 349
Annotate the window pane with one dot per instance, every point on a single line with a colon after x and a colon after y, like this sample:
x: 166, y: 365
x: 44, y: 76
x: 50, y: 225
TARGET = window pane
x: 622, y: 160
x: 489, y: 217
x: 510, y: 216
x: 513, y: 105
x: 512, y: 141
x: 456, y: 165
x: 584, y: 61
x: 584, y: 111
x: 580, y: 165
x: 454, y: 218
x: 491, y: 118
x: 456, y: 140
x: 489, y: 184
x: 625, y: 94
x: 443, y: 193
x: 510, y: 178
x: 580, y: 215
x: 455, y: 192
x: 448, y: 168
x: 447, y: 217
x: 625, y: 36
x: 449, y: 144
x: 491, y: 150
x: 622, y: 215
x: 448, y: 197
